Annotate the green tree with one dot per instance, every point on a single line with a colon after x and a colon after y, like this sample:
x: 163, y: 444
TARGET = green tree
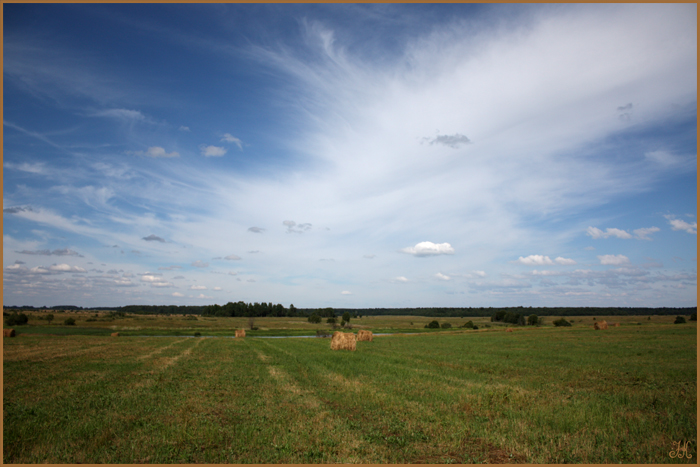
x: 346, y: 317
x: 532, y: 320
x: 331, y: 320
x: 314, y: 318
x: 679, y: 320
x: 69, y: 322
x: 49, y: 317
x: 433, y: 324
x: 561, y: 322
x: 445, y: 325
x: 16, y: 319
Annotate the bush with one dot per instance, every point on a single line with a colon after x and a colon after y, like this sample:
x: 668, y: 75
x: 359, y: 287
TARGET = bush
x: 532, y: 320
x: 16, y: 319
x: 476, y: 327
x: 468, y: 325
x: 314, y: 318
x: 694, y: 317
x: 679, y: 320
x: 197, y: 334
x: 562, y: 322
x: 445, y: 325
x: 433, y: 325
x: 69, y: 322
x: 330, y: 321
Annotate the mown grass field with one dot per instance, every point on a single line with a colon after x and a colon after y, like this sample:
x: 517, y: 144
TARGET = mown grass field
x: 537, y: 395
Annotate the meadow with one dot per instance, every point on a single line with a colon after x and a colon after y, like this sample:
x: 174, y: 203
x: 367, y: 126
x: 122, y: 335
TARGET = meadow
x: 536, y: 395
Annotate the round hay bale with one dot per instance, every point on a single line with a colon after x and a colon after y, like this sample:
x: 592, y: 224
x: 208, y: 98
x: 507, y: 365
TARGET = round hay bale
x: 509, y: 330
x: 115, y: 334
x: 8, y: 333
x: 240, y: 332
x: 363, y: 335
x: 343, y: 341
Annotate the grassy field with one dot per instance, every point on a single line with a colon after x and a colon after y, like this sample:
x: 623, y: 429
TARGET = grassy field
x: 537, y: 395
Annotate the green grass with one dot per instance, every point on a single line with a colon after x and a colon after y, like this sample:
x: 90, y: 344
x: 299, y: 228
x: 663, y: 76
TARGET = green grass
x: 544, y: 395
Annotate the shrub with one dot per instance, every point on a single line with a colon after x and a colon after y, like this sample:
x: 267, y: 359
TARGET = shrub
x: 69, y: 322
x: 433, y: 324
x: 694, y: 317
x: 561, y: 322
x: 476, y: 327
x: 197, y: 334
x: 468, y: 325
x: 90, y: 320
x: 679, y: 320
x: 314, y: 318
x: 16, y: 319
x: 445, y: 325
x: 330, y: 321
x: 532, y: 320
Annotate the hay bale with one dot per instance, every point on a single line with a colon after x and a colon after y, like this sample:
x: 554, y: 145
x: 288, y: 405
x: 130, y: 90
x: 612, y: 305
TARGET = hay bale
x: 8, y: 333
x: 115, y: 334
x: 240, y: 332
x: 615, y: 325
x: 602, y: 325
x: 343, y: 341
x: 363, y: 335
x: 509, y: 330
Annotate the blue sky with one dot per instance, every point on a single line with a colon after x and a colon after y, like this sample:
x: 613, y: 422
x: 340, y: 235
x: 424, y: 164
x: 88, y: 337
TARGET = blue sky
x: 350, y: 155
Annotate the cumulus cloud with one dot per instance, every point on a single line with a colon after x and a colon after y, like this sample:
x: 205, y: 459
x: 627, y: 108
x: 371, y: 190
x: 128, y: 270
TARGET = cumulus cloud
x: 564, y: 261
x: 429, y: 249
x: 615, y: 260
x: 150, y: 278
x: 293, y: 227
x: 401, y: 279
x: 535, y: 260
x: 442, y: 276
x: 153, y: 238
x: 678, y: 224
x: 177, y: 294
x: 204, y: 296
x: 596, y: 233
x: 256, y: 229
x: 212, y: 151
x: 452, y: 141
x: 200, y: 264
x: 198, y: 287
x: 66, y: 268
x: 183, y: 128
x: 346, y: 292
x: 232, y: 257
x: 643, y: 234
x: 229, y: 138
x: 157, y: 151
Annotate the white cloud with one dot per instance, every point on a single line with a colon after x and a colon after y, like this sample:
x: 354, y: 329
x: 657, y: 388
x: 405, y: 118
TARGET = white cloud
x: 610, y: 232
x: 177, y: 294
x: 369, y: 256
x: 157, y: 151
x: 218, y: 289
x: 442, y: 276
x: 200, y: 264
x: 429, y: 249
x: 66, y: 268
x: 643, y: 234
x: 202, y: 296
x: 678, y: 224
x: 150, y: 278
x: 565, y: 261
x: 198, y: 287
x: 229, y: 138
x: 613, y: 259
x: 256, y: 229
x: 535, y: 260
x: 122, y: 114
x: 452, y: 141
x: 293, y: 227
x: 212, y: 151
x: 345, y: 292
x: 401, y: 279
x: 232, y: 257
x: 183, y: 128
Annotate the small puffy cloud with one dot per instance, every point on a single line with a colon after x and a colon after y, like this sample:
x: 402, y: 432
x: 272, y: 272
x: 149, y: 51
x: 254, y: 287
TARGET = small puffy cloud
x: 151, y: 278
x: 229, y: 138
x: 162, y: 284
x: 200, y: 264
x: 183, y: 128
x: 293, y: 227
x: 66, y: 268
x: 177, y: 294
x: 442, y: 276
x: 597, y: 233
x: 232, y: 257
x: 157, y: 151
x: 256, y: 229
x: 678, y: 224
x: 564, y: 261
x: 153, y: 238
x: 614, y: 260
x: 643, y: 234
x: 198, y: 287
x: 204, y: 296
x: 535, y: 260
x: 232, y: 273
x: 346, y: 292
x: 452, y: 141
x: 212, y: 151
x: 218, y: 289
x: 39, y: 270
x: 429, y: 249
x: 401, y: 279
x: 16, y: 268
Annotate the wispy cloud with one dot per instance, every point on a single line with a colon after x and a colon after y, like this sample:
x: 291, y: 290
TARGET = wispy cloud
x: 212, y: 151
x: 229, y: 138
x: 154, y: 238
x: 614, y: 260
x: 679, y: 224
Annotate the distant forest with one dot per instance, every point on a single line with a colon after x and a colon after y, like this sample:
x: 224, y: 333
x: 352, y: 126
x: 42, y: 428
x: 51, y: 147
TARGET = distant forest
x: 242, y: 309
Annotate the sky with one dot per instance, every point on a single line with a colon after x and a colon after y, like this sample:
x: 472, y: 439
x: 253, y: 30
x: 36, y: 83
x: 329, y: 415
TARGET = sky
x: 350, y: 155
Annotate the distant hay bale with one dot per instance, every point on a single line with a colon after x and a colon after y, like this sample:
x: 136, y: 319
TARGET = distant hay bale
x: 615, y: 325
x: 8, y: 333
x: 602, y: 325
x: 240, y: 332
x: 115, y: 334
x: 363, y: 335
x: 343, y: 341
x: 509, y: 330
